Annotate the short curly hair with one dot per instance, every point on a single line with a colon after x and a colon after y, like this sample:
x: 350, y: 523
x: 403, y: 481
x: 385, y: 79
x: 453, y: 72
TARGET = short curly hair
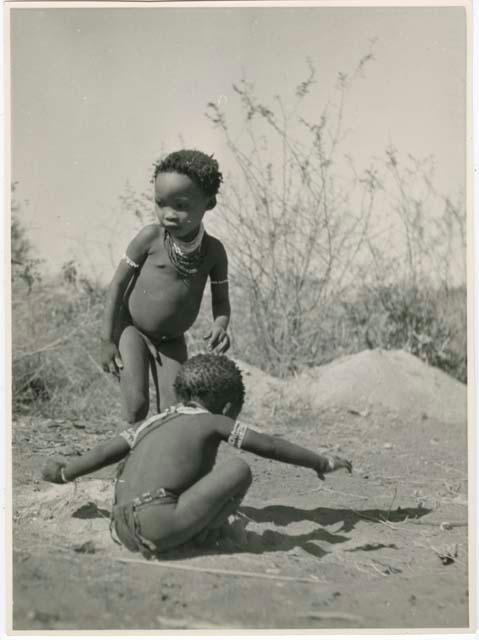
x: 214, y: 380
x: 201, y: 168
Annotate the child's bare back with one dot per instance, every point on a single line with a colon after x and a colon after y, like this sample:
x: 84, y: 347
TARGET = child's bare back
x: 171, y: 452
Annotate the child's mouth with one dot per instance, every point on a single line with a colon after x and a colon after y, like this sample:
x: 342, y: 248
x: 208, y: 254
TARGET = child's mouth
x: 170, y: 223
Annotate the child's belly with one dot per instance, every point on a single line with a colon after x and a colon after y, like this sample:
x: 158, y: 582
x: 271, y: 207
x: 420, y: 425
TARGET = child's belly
x: 165, y: 307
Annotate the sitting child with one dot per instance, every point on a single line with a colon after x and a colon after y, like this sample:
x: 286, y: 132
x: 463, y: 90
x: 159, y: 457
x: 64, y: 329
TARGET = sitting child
x: 169, y: 489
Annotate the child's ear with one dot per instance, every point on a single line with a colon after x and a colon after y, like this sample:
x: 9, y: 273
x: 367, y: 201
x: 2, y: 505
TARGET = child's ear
x: 230, y: 411
x: 226, y: 409
x: 211, y: 203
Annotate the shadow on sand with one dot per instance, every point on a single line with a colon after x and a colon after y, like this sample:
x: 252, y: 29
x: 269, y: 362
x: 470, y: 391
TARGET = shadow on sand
x: 283, y: 515
x: 89, y: 511
x: 273, y: 540
x: 279, y: 515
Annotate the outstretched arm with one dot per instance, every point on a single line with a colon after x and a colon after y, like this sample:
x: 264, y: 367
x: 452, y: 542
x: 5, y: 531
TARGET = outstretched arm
x: 101, y: 456
x: 266, y: 446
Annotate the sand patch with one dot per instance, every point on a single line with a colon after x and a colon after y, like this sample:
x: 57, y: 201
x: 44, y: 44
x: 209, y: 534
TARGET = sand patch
x: 362, y: 550
x: 68, y: 515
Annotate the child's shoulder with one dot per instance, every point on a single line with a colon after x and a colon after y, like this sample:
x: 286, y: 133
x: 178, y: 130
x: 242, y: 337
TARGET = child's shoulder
x: 146, y: 238
x: 215, y: 246
x: 217, y: 424
x: 150, y: 232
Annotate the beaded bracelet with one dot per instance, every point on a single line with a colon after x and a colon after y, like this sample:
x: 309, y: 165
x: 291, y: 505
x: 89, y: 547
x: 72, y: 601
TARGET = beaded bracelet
x: 331, y: 463
x: 237, y: 435
x: 130, y: 262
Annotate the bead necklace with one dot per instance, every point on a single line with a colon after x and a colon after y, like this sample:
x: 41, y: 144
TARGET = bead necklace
x: 186, y: 257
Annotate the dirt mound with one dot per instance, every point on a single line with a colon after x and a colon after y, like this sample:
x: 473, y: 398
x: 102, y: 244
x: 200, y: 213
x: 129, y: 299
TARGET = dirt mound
x: 263, y: 392
x: 394, y: 380
x: 257, y: 381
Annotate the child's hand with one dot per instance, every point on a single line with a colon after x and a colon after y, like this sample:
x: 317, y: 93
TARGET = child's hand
x: 218, y: 340
x: 110, y: 358
x: 52, y: 471
x: 332, y: 463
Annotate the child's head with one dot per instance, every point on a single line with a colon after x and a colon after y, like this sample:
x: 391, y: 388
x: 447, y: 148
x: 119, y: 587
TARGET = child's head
x: 214, y: 381
x: 199, y: 167
x: 186, y: 184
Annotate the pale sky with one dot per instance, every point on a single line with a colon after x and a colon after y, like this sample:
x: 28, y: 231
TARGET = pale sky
x: 98, y: 94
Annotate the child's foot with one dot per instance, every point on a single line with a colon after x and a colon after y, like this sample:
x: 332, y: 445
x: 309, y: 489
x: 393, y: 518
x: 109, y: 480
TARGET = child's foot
x: 207, y: 537
x: 231, y: 533
x: 236, y: 529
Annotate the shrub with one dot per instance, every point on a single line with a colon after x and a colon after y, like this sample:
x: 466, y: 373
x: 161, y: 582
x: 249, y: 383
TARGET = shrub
x: 416, y: 320
x: 55, y: 353
x: 25, y: 266
x: 305, y: 232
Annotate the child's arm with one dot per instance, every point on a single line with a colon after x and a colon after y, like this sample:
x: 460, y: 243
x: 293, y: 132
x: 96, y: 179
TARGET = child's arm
x: 130, y: 263
x: 266, y: 446
x: 101, y: 456
x: 218, y: 340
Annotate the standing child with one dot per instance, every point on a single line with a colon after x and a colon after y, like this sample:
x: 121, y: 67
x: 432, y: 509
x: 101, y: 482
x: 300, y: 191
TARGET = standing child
x: 156, y: 292
x: 169, y: 489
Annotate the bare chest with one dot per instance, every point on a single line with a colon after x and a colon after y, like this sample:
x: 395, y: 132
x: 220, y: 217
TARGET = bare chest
x: 164, y: 266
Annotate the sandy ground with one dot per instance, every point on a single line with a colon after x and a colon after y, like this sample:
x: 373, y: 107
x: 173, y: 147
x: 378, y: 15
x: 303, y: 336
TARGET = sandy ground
x: 383, y: 548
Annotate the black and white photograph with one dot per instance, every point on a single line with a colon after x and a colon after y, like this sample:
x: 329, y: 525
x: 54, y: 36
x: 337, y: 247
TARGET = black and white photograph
x: 239, y: 317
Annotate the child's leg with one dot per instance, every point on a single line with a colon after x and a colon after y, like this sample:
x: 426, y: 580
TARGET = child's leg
x: 134, y: 380
x: 171, y: 355
x: 207, y: 502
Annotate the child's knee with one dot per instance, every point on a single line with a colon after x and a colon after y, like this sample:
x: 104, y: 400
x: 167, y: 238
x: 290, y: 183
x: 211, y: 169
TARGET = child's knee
x: 243, y: 472
x: 167, y: 398
x: 133, y: 416
x: 130, y: 336
x: 135, y: 406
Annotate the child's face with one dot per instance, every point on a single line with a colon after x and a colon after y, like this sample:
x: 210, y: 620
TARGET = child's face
x: 180, y: 204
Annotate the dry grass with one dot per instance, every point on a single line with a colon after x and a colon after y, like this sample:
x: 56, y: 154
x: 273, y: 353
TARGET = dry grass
x: 56, y: 342
x: 55, y: 354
